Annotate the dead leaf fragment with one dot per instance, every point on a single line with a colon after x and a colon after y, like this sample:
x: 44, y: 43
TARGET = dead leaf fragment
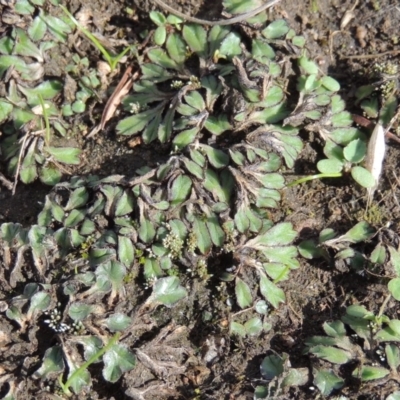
x: 361, y: 34
x: 375, y: 156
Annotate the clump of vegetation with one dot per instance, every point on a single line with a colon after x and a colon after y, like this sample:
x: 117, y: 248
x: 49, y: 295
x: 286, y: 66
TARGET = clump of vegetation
x: 361, y: 346
x: 216, y: 99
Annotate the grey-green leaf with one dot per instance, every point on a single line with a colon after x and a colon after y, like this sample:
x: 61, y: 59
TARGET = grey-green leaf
x: 117, y: 360
x: 167, y: 291
x: 243, y: 293
x: 276, y: 29
x: 196, y: 37
x: 66, y: 155
x: 53, y: 363
x: 118, y: 322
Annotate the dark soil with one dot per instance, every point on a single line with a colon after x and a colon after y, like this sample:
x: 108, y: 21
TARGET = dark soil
x: 179, y: 342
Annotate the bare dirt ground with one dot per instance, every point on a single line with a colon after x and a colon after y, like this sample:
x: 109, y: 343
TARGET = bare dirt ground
x: 178, y: 338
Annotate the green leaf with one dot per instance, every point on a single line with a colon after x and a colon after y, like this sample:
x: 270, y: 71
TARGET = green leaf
x: 390, y: 333
x: 221, y: 192
x: 378, y: 255
x: 117, y: 360
x: 195, y: 99
x: 242, y: 221
x: 309, y: 249
x: 355, y: 151
x: 276, y: 29
x: 217, y: 124
x: 331, y: 354
x: 261, y: 50
x: 215, y: 37
x: 363, y: 177
x: 280, y: 234
x: 395, y: 259
x: 50, y: 174
x: 271, y: 292
x: 91, y: 345
x: 330, y: 83
x: 37, y: 29
x: 150, y: 132
x: 253, y: 326
x: 230, y: 46
x: 345, y: 135
x: 299, y: 41
x: 28, y: 172
x: 216, y: 233
x: 167, y: 291
x: 327, y: 381
x: 47, y: 90
x: 146, y: 231
x: 135, y: 123
x: 152, y: 269
x: 243, y: 293
x: 196, y: 37
x: 180, y: 189
x: 271, y: 367
x: 39, y: 302
x: 66, y: 155
x: 58, y: 28
x: 112, y: 271
x: 237, y: 329
x: 369, y: 373
x: 158, y: 18
x: 310, y: 67
x: 394, y: 396
x: 184, y: 138
x: 174, y: 20
x: 7, y: 61
x: 74, y: 218
x: 178, y: 227
x: 360, y: 232
x: 392, y: 352
x: 274, y: 96
x: 329, y: 166
x: 78, y: 381
x: 160, y: 57
x: 335, y: 329
x: 341, y: 119
x: 5, y: 109
x: 176, y: 48
x: 194, y: 169
x: 6, y: 45
x: 25, y: 47
x: 24, y: 7
x: 394, y: 288
x: 53, y: 363
x: 160, y: 35
x: 78, y: 198
x: 99, y: 256
x: 200, y: 230
x: 165, y: 128
x: 216, y: 157
x: 124, y: 205
x: 197, y: 157
x: 126, y: 251
x: 79, y: 311
x: 118, y: 322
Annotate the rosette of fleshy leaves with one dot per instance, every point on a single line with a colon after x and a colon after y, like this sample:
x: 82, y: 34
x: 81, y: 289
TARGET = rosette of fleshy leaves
x: 198, y: 83
x: 177, y: 215
x: 320, y: 109
x: 33, y: 141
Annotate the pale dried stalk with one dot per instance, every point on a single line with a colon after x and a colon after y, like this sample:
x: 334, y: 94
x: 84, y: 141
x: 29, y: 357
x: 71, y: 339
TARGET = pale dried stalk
x: 375, y: 157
